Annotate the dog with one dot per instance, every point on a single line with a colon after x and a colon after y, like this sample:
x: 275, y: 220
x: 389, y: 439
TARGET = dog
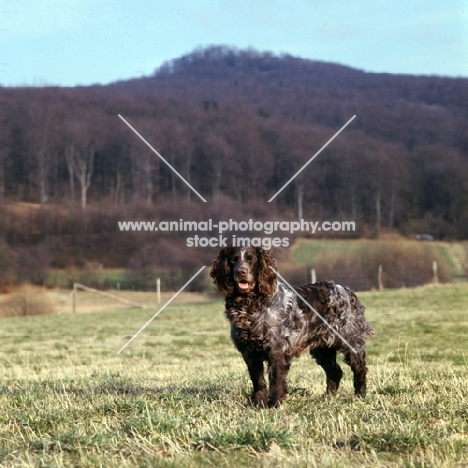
x: 271, y: 323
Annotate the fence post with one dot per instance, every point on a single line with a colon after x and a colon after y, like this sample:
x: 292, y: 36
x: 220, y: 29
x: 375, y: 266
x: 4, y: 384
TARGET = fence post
x: 313, y: 276
x: 158, y: 290
x: 434, y: 271
x: 380, y: 278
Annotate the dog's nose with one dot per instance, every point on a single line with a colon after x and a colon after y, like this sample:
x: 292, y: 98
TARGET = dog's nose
x: 242, y: 270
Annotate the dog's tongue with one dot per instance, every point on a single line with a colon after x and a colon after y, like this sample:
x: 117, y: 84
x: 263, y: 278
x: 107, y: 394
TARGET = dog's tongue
x: 243, y: 285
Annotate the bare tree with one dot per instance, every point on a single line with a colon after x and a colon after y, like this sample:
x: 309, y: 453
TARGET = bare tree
x: 80, y: 150
x: 143, y: 162
x: 300, y: 197
x: 69, y: 156
x: 82, y: 163
x: 217, y: 150
x: 42, y: 159
x: 141, y: 159
x: 3, y: 157
x: 40, y: 146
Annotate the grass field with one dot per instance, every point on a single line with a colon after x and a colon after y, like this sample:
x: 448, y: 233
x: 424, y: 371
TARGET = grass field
x: 177, y: 395
x: 452, y: 254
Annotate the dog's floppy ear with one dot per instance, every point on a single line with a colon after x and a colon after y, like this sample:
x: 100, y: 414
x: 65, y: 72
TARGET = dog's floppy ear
x: 221, y: 272
x: 267, y: 279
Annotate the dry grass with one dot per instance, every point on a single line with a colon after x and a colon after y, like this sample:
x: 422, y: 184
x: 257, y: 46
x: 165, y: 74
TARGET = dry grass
x: 177, y: 395
x: 87, y: 302
x: 25, y: 301
x: 32, y: 300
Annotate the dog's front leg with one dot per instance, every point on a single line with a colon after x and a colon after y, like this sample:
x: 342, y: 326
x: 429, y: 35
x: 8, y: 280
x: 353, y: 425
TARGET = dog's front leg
x: 278, y: 373
x: 255, y: 365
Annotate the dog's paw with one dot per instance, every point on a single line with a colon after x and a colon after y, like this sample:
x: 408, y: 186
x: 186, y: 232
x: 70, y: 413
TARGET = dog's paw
x: 274, y: 402
x: 259, y: 399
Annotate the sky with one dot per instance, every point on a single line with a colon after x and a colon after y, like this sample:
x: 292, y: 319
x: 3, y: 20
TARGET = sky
x: 83, y: 42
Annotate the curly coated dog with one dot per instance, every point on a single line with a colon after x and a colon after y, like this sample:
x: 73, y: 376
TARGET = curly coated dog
x: 271, y: 323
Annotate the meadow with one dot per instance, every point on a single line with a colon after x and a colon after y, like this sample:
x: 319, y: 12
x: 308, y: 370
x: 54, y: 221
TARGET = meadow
x: 452, y: 255
x: 177, y: 395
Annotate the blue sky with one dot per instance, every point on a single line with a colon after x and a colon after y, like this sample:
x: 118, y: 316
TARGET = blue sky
x: 81, y: 42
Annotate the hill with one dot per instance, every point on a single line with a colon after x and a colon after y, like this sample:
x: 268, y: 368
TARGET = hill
x: 312, y: 91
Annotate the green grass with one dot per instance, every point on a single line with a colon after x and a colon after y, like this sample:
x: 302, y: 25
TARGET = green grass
x: 453, y: 254
x: 177, y: 395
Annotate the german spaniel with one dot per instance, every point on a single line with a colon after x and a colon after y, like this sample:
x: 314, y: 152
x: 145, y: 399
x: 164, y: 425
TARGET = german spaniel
x: 271, y: 323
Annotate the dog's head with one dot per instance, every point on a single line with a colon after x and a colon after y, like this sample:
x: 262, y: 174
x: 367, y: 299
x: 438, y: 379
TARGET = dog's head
x: 244, y: 270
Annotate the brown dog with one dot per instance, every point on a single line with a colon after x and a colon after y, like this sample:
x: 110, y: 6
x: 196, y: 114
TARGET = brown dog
x: 269, y: 323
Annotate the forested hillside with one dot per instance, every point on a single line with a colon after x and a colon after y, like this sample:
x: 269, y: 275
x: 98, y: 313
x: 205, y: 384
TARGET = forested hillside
x: 237, y: 125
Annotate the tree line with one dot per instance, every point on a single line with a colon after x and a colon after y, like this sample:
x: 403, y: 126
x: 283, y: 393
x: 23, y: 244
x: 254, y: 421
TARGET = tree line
x: 237, y: 125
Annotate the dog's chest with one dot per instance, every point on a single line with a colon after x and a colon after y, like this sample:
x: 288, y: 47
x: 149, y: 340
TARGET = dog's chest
x: 265, y: 324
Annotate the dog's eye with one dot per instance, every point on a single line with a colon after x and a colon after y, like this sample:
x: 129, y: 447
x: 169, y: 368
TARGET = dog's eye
x: 250, y: 258
x: 235, y: 259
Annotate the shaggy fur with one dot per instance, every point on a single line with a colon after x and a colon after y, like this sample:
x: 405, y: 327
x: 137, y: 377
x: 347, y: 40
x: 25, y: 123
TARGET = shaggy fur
x: 269, y: 323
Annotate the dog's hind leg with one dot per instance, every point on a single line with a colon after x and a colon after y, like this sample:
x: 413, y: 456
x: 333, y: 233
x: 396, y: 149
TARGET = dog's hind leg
x: 357, y: 362
x: 326, y: 358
